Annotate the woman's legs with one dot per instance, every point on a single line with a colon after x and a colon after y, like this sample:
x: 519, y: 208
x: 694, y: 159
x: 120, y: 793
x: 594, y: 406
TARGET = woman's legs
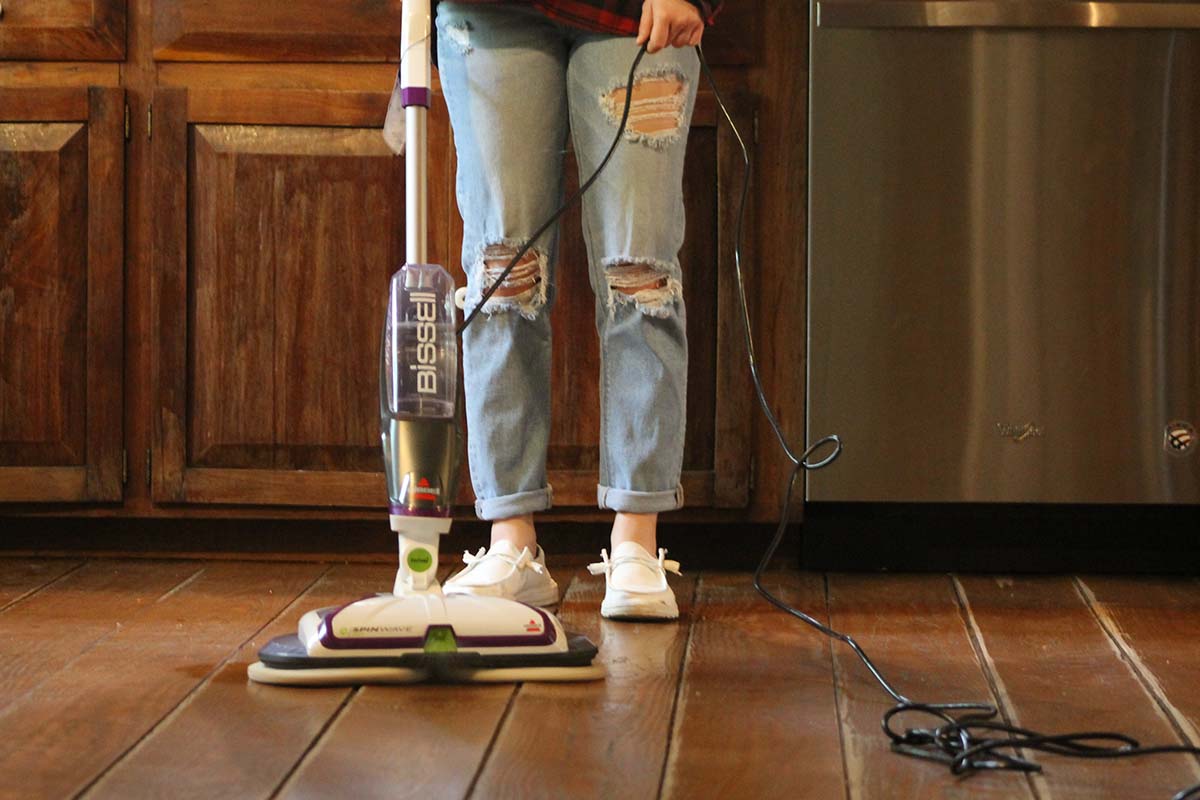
x: 503, y: 72
x: 634, y: 228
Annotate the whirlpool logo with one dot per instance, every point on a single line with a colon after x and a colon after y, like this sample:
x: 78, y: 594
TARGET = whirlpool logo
x: 1179, y: 438
x: 1019, y: 431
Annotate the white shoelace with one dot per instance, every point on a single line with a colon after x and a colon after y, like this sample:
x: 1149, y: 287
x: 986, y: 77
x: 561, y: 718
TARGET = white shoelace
x: 605, y: 566
x: 520, y: 562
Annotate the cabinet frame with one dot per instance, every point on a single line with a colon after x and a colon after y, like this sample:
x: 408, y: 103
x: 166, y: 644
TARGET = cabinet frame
x: 100, y: 479
x: 103, y: 39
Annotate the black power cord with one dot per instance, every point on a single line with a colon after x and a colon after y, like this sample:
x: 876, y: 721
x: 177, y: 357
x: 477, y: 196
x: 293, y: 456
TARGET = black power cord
x: 570, y: 201
x: 960, y: 741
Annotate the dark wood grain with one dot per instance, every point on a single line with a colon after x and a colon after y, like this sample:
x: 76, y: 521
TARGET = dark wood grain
x: 168, y: 294
x: 233, y: 738
x: 20, y: 577
x: 1058, y: 671
x: 63, y: 734
x: 306, y: 30
x: 756, y: 715
x: 104, y: 349
x: 43, y: 104
x: 596, y: 740
x: 1154, y: 622
x: 777, y: 285
x: 403, y: 741
x: 912, y: 629
x: 96, y: 602
x: 735, y: 412
x: 80, y: 31
x: 43, y: 293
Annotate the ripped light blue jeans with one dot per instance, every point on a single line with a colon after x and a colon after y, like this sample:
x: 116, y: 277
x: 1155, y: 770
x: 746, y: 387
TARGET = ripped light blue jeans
x: 514, y: 81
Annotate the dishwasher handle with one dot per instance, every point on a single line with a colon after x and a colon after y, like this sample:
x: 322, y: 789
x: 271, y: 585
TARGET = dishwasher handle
x: 1014, y: 14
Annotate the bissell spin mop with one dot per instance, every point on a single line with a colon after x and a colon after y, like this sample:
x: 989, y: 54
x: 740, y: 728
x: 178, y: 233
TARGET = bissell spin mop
x: 418, y: 632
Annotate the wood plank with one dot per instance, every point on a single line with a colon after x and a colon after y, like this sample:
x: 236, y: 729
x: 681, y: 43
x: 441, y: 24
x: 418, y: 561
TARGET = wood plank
x: 911, y: 627
x: 18, y: 74
x: 1059, y: 672
x: 105, y: 292
x: 596, y: 739
x: 168, y: 294
x: 1154, y: 622
x: 403, y: 741
x: 232, y: 738
x: 42, y: 635
x: 21, y: 577
x: 287, y: 107
x: 63, y: 734
x: 735, y: 408
x: 756, y: 715
x: 43, y: 105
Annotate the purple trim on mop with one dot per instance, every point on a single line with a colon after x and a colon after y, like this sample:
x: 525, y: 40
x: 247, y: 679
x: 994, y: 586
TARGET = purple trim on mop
x: 405, y: 511
x: 414, y: 96
x: 548, y: 636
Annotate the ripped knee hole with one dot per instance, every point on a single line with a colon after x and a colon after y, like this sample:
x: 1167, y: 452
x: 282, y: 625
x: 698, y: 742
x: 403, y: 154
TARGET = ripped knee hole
x: 523, y: 278
x: 656, y: 111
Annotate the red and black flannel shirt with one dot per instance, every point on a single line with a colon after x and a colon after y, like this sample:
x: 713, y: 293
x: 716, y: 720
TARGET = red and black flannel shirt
x: 605, y: 16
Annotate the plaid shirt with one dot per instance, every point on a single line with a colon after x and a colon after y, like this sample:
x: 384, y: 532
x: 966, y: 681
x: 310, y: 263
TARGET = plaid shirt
x: 605, y: 16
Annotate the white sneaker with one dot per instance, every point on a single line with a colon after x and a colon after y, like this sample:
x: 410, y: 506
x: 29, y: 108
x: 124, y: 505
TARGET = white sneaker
x: 635, y: 583
x: 504, y: 572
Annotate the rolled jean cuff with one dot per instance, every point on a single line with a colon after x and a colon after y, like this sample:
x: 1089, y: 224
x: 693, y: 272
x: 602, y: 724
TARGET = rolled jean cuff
x: 639, y: 502
x: 515, y: 505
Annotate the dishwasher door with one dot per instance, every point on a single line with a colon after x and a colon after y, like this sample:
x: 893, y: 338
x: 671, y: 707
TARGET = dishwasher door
x: 1004, y: 264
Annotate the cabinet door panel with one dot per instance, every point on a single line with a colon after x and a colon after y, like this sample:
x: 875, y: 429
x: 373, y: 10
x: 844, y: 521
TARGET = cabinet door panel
x: 60, y: 294
x: 63, y: 30
x: 295, y: 233
x: 43, y: 208
x: 274, y: 264
x: 301, y: 30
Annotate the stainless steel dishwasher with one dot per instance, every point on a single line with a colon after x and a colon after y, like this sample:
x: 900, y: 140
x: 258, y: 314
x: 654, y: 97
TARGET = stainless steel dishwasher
x: 1004, y: 265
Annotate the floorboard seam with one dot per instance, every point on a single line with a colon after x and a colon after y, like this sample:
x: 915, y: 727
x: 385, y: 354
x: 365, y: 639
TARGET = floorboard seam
x: 6, y: 707
x: 1179, y: 723
x: 693, y: 607
x: 491, y: 745
x: 312, y: 746
x: 39, y: 589
x: 837, y: 695
x: 185, y: 701
x: 995, y: 683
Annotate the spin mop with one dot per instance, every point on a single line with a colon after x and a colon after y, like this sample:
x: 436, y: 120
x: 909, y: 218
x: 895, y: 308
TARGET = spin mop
x: 417, y: 632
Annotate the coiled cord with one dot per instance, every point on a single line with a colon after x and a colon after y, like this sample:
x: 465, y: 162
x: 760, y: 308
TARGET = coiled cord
x: 960, y: 742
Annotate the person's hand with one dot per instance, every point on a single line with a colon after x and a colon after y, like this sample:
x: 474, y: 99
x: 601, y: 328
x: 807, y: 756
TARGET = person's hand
x: 674, y: 23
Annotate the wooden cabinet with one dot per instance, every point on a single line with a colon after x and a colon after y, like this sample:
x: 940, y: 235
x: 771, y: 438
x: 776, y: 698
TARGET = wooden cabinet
x: 272, y: 249
x: 63, y: 30
x: 298, y: 30
x: 272, y: 254
x: 61, y: 237
x: 228, y: 359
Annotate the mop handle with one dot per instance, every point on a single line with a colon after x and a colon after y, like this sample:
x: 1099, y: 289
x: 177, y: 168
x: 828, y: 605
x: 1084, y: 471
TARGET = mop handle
x: 415, y: 70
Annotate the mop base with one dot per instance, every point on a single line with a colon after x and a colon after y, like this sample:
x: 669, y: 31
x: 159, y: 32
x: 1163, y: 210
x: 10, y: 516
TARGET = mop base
x: 286, y: 661
x: 358, y: 676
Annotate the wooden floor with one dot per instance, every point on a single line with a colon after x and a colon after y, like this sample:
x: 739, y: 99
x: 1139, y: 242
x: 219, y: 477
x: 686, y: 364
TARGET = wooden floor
x: 125, y: 679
